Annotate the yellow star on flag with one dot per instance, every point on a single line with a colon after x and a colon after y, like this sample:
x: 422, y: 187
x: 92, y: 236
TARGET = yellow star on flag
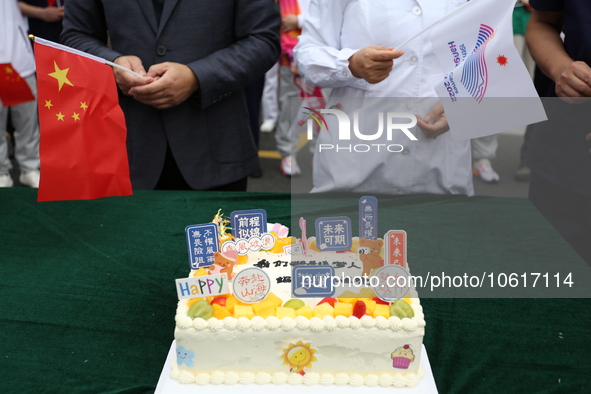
x: 48, y: 104
x: 76, y: 116
x: 8, y: 70
x: 83, y: 105
x: 61, y: 76
x: 60, y: 116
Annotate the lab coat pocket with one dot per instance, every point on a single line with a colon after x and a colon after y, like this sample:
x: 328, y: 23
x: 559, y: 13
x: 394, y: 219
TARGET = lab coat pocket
x: 390, y: 22
x: 457, y: 3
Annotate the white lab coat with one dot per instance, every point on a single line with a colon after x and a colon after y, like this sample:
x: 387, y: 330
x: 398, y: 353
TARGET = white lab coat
x: 15, y: 47
x: 334, y: 30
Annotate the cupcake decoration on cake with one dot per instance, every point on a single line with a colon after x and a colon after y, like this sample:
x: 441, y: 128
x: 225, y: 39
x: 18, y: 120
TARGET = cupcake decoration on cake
x: 402, y: 357
x: 298, y: 357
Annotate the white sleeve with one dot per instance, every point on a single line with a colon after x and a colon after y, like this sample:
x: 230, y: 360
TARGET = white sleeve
x: 304, y: 4
x: 319, y: 56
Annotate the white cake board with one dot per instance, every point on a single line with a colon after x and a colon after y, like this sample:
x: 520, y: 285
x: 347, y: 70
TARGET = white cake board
x: 167, y: 385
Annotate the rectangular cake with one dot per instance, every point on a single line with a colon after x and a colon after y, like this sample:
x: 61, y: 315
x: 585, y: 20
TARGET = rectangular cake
x: 352, y: 338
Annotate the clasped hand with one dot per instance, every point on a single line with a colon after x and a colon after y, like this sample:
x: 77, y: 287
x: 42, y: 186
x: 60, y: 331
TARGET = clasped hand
x: 434, y: 123
x: 164, y: 85
x: 573, y: 84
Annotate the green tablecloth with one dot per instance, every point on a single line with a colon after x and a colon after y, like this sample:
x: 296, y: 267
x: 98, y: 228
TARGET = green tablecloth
x: 88, y: 295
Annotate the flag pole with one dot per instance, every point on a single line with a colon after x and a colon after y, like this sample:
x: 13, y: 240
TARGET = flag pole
x: 68, y: 49
x: 470, y: 2
x: 123, y: 68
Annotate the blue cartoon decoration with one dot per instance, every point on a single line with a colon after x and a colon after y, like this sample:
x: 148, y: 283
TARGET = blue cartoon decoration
x: 184, y: 356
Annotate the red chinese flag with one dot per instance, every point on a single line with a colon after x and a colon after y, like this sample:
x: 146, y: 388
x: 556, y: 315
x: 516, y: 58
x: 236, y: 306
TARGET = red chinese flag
x: 82, y: 145
x: 13, y: 88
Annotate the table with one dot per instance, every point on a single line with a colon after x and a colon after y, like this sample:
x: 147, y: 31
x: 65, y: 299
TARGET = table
x: 88, y: 297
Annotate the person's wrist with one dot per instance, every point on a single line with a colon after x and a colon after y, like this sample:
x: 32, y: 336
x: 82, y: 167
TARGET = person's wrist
x: 353, y: 66
x: 560, y: 68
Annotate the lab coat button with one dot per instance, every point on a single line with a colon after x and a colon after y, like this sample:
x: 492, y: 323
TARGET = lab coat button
x: 414, y: 60
x: 416, y: 10
x: 405, y: 151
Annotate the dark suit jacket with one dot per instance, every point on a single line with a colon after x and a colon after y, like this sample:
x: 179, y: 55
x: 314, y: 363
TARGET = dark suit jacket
x: 227, y: 43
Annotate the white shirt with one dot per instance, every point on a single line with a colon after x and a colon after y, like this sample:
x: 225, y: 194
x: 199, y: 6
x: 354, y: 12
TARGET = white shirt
x: 334, y: 30
x: 15, y: 48
x: 304, y: 4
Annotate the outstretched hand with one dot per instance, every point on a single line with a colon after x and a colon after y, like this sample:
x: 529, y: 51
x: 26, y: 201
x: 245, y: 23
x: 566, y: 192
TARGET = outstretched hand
x: 373, y: 63
x: 434, y: 123
x: 172, y: 84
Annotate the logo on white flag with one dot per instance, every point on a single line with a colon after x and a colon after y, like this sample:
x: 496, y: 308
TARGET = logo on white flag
x: 475, y: 75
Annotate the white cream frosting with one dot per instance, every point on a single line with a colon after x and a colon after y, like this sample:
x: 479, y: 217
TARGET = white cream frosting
x: 273, y: 323
x: 317, y: 325
x: 202, y: 379
x: 200, y: 324
x: 288, y: 324
x: 311, y: 378
x: 395, y: 323
x: 349, y: 351
x: 231, y: 378
x: 230, y: 323
x: 385, y: 380
x: 243, y: 324
x: 421, y: 323
x: 263, y: 378
x: 342, y: 322
x: 184, y: 321
x: 258, y: 323
x: 217, y: 377
x: 302, y: 323
x: 279, y: 378
x: 214, y: 324
x: 294, y: 378
x: 409, y: 324
x: 341, y: 379
x: 213, y: 336
x: 246, y: 378
x: 382, y: 323
x: 356, y: 380
x: 367, y: 322
x: 371, y: 380
x: 330, y: 323
x: 354, y: 323
x: 185, y: 377
x: 326, y: 379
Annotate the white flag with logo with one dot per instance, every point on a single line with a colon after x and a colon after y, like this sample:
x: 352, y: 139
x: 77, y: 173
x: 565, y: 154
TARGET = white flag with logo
x: 487, y: 88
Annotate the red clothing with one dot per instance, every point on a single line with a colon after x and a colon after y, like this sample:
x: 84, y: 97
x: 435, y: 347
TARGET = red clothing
x: 288, y: 39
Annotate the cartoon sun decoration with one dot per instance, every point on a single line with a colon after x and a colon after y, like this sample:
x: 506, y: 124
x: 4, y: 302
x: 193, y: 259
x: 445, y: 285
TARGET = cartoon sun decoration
x: 298, y: 357
x: 502, y: 60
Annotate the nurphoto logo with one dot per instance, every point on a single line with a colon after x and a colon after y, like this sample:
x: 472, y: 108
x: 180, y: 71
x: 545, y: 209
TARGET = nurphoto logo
x: 393, y: 121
